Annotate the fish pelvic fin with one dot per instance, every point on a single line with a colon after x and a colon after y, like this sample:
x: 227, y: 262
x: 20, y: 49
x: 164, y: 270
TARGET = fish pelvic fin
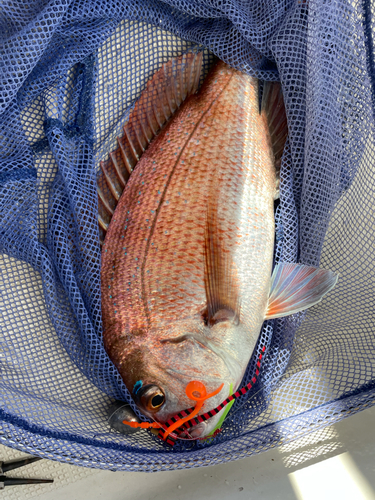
x: 164, y: 93
x: 274, y: 113
x: 295, y: 287
x: 221, y: 275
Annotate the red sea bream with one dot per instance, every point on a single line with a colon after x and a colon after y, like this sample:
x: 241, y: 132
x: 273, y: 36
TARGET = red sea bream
x: 187, y: 258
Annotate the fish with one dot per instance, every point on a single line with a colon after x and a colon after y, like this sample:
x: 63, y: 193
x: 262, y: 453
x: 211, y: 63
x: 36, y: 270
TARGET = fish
x: 186, y: 214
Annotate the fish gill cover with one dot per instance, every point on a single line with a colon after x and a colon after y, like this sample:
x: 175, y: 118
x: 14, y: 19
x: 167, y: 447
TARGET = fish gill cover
x: 70, y: 74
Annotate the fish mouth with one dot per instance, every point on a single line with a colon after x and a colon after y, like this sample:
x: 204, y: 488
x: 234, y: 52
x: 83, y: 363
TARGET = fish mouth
x: 230, y: 362
x: 195, y: 432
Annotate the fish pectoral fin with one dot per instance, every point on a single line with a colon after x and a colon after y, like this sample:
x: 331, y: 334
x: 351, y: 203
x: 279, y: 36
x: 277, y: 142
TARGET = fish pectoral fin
x: 295, y: 287
x: 221, y: 276
x: 273, y: 109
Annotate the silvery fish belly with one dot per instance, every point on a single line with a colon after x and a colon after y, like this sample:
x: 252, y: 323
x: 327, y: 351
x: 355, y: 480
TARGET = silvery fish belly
x: 187, y: 258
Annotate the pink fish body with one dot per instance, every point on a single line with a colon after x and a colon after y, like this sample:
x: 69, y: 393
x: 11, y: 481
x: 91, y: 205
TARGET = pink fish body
x: 187, y: 259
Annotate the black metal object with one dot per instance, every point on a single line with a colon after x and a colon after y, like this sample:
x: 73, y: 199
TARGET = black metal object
x: 16, y: 464
x: 117, y: 413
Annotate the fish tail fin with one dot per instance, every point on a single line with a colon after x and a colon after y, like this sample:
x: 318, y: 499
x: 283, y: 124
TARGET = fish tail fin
x: 273, y: 109
x: 295, y: 287
x: 164, y: 93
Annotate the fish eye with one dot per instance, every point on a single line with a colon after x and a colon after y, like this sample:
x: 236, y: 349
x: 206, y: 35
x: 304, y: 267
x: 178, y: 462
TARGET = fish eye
x: 157, y: 400
x: 151, y: 397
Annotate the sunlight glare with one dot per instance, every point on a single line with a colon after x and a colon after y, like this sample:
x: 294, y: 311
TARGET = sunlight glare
x: 335, y: 478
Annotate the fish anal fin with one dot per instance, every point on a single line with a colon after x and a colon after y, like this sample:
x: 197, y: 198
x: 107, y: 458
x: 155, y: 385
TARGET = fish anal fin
x: 296, y: 287
x: 221, y: 275
x: 273, y: 110
x: 163, y: 95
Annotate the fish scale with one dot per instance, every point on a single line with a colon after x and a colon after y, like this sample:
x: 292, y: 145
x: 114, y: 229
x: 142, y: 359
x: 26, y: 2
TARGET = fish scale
x: 187, y: 258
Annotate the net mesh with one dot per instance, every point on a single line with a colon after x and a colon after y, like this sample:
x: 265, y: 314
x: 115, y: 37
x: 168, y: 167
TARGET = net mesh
x: 70, y: 74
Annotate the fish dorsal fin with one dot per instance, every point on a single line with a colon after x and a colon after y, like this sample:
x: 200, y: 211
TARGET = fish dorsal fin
x: 220, y: 276
x: 273, y: 109
x: 162, y: 97
x: 295, y: 287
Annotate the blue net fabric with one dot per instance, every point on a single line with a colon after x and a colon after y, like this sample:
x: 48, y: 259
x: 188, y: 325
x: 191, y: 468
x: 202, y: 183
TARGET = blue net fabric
x: 70, y: 74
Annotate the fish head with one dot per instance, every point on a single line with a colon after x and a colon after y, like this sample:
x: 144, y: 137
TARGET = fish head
x: 164, y: 362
